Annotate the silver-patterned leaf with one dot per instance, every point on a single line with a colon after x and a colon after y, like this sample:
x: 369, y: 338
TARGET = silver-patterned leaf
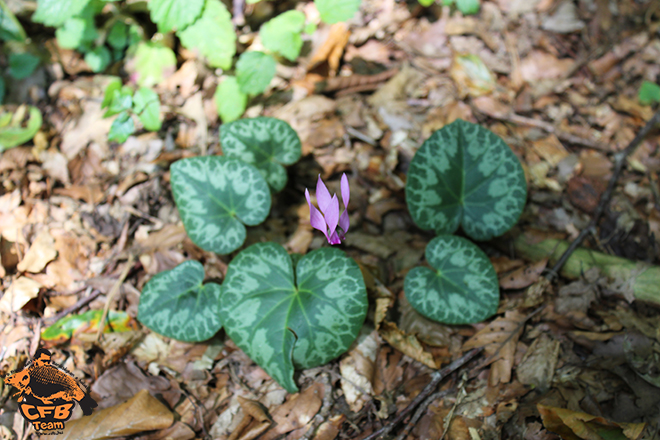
x: 266, y: 143
x: 466, y: 175
x: 282, y: 324
x: 216, y: 196
x: 461, y: 288
x: 176, y: 304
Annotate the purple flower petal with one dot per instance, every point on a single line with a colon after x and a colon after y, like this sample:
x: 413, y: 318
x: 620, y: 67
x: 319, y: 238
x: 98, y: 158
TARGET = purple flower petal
x: 345, y: 190
x: 315, y: 217
x: 343, y: 221
x: 334, y: 238
x: 322, y: 196
x: 332, y: 214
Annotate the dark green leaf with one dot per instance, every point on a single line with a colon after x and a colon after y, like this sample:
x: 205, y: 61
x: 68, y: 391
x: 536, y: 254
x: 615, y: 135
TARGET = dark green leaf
x: 175, y: 14
x: 466, y: 175
x: 212, y: 35
x: 120, y: 100
x: 282, y: 34
x: 2, y: 89
x: 282, y: 320
x: 266, y: 143
x: 21, y: 65
x: 10, y: 27
x: 176, y: 304
x: 121, y: 128
x: 215, y: 197
x: 254, y: 71
x: 98, y: 59
x: 649, y: 93
x: 118, y: 35
x: 461, y: 287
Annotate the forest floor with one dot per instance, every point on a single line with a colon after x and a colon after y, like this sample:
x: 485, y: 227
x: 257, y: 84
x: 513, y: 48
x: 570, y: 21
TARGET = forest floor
x: 85, y: 223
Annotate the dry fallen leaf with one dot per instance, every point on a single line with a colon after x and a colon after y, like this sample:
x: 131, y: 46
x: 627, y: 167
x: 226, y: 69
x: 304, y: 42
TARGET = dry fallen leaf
x: 41, y: 252
x: 407, y: 344
x: 297, y: 412
x: 357, y: 369
x: 142, y: 412
x: 523, y: 276
x: 19, y: 293
x: 332, y: 48
x: 573, y: 425
x: 538, y: 365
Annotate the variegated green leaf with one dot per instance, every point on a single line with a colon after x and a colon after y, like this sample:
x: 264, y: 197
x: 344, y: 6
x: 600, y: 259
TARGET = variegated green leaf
x: 266, y: 143
x: 176, y: 304
x: 462, y: 287
x: 466, y: 175
x: 216, y: 196
x: 281, y: 323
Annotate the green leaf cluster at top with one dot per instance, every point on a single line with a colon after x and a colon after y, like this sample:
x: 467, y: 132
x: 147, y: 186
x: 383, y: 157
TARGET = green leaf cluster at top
x: 122, y: 101
x: 467, y: 7
x: 463, y: 175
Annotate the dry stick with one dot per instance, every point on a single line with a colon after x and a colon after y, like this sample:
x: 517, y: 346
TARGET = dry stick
x: 420, y: 412
x: 78, y: 305
x: 619, y: 162
x: 112, y: 293
x: 437, y: 376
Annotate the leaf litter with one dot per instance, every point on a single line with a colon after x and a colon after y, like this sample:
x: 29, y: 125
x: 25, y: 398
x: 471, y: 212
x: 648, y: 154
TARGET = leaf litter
x: 558, y: 83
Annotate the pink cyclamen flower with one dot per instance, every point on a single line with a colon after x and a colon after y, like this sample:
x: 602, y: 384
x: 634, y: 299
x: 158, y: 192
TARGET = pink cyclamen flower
x: 330, y: 223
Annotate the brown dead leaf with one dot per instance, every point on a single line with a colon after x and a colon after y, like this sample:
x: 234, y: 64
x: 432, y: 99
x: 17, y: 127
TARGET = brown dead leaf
x: 357, y: 369
x: 540, y: 65
x: 523, y: 276
x: 41, y: 252
x: 471, y: 75
x: 573, y: 425
x: 538, y: 365
x: 124, y: 381
x: 550, y: 149
x: 506, y: 328
x: 407, y: 344
x: 19, y: 293
x: 297, y: 412
x: 585, y: 192
x: 142, y: 412
x: 332, y: 48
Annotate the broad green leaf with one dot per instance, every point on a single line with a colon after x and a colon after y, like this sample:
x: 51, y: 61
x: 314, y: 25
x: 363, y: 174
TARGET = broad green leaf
x: 229, y: 99
x: 21, y: 65
x: 117, y: 99
x: 465, y: 175
x: 468, y: 7
x: 118, y: 35
x: 10, y: 27
x: 175, y: 14
x: 649, y: 93
x: 88, y: 322
x: 176, y: 304
x: 215, y: 197
x: 113, y: 85
x: 426, y: 3
x: 76, y: 32
x: 334, y: 11
x: 153, y: 62
x: 98, y: 59
x: 461, y: 287
x: 147, y: 106
x: 56, y: 12
x: 122, y: 127
x: 254, y: 71
x: 266, y: 143
x: 14, y: 131
x: 282, y: 34
x: 284, y: 320
x: 212, y: 35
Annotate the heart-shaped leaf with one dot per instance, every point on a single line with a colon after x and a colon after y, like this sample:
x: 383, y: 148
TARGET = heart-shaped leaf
x: 176, y: 304
x: 280, y: 324
x: 216, y: 196
x: 266, y: 143
x: 466, y: 175
x: 461, y: 288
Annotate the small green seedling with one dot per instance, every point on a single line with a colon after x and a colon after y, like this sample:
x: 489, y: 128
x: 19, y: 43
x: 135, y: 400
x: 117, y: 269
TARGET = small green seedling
x: 14, y: 130
x: 266, y: 143
x: 285, y: 317
x: 216, y: 197
x: 460, y: 288
x: 176, y: 304
x: 467, y: 7
x: 118, y: 100
x: 649, y: 93
x: 465, y: 175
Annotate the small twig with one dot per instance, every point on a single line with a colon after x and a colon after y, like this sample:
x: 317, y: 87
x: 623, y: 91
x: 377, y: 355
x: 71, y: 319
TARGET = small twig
x: 437, y: 377
x: 459, y: 398
x: 619, y: 162
x: 363, y: 137
x: 112, y: 293
x: 420, y: 412
x: 77, y: 306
